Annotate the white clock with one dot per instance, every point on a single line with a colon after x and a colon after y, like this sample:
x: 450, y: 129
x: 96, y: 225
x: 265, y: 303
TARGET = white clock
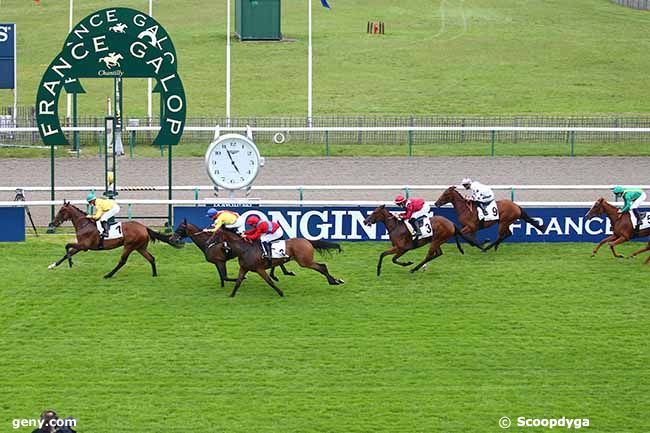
x: 233, y: 161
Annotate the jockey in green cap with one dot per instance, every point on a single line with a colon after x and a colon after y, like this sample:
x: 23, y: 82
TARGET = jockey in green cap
x: 104, y: 210
x: 633, y: 197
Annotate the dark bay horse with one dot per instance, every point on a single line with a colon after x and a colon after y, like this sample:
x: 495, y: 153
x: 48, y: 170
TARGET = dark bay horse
x: 135, y: 237
x: 622, y: 227
x: 509, y: 212
x: 215, y: 253
x: 400, y: 237
x: 250, y: 257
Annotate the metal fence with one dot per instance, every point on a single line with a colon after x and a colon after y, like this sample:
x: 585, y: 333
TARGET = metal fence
x: 636, y: 4
x: 26, y: 118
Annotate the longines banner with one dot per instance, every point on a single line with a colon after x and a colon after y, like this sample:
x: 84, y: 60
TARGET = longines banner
x: 346, y: 223
x: 111, y: 43
x: 7, y: 56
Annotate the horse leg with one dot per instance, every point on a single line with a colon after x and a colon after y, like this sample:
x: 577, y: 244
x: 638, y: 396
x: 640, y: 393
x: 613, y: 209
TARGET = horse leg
x: 285, y: 271
x: 240, y: 278
x: 67, y: 255
x: 397, y: 262
x: 381, y: 257
x: 618, y: 241
x: 504, y: 233
x: 272, y: 274
x: 601, y: 243
x: 269, y: 281
x: 150, y: 258
x: 433, y: 253
x: 122, y: 262
x: 470, y: 237
x: 322, y: 268
x: 644, y: 249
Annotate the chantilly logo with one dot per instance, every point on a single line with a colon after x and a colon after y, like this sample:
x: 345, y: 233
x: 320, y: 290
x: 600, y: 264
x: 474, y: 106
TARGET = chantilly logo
x: 4, y: 33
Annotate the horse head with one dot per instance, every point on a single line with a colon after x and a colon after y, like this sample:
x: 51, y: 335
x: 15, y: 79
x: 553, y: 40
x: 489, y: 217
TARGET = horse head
x: 598, y: 208
x: 446, y: 197
x: 64, y: 214
x: 379, y: 214
x: 180, y: 233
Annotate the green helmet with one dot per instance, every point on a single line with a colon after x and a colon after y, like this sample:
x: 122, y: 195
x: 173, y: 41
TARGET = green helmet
x: 91, y: 197
x: 618, y: 189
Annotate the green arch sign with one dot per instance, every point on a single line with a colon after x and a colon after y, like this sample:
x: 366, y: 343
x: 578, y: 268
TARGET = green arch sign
x: 112, y: 43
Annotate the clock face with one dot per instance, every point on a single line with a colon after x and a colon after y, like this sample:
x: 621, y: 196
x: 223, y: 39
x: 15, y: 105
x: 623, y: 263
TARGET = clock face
x: 232, y: 161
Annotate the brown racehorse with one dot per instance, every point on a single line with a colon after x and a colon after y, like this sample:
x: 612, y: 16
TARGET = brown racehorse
x: 642, y: 250
x: 621, y: 226
x: 135, y: 237
x: 215, y: 253
x: 250, y: 257
x: 400, y: 237
x: 467, y: 215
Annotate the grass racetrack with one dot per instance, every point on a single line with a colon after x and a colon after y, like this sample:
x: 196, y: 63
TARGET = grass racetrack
x: 537, y: 330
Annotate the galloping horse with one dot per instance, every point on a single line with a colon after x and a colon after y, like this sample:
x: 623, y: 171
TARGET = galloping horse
x: 509, y: 212
x: 300, y: 250
x: 215, y: 253
x: 622, y: 227
x: 400, y: 237
x: 135, y: 237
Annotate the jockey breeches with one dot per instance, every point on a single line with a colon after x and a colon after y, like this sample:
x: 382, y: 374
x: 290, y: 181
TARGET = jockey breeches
x: 422, y: 212
x: 109, y: 213
x: 637, y: 203
x: 270, y: 237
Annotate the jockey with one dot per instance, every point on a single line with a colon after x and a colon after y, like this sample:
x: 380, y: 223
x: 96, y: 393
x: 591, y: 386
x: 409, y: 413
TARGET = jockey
x: 414, y: 209
x: 226, y: 218
x: 482, y: 195
x: 104, y: 210
x: 265, y: 231
x: 633, y: 198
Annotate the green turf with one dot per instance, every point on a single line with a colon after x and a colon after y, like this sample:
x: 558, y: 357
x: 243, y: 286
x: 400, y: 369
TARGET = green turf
x: 535, y: 330
x: 441, y: 56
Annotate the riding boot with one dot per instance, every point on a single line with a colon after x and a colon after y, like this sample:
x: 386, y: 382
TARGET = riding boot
x: 103, y: 235
x: 266, y: 248
x: 637, y: 214
x: 416, y: 228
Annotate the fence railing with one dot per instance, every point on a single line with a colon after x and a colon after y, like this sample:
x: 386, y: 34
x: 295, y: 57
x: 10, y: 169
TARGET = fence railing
x: 365, y: 130
x: 636, y: 4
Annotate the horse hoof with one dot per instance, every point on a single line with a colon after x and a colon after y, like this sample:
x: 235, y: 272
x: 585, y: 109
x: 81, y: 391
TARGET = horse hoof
x: 291, y: 274
x: 52, y: 266
x: 340, y: 281
x: 107, y: 276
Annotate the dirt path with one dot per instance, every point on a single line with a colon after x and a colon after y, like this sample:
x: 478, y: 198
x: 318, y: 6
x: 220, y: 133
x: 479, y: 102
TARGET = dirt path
x: 336, y: 171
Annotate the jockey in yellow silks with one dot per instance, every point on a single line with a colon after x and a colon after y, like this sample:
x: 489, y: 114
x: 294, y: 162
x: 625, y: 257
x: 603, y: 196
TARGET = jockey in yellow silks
x: 223, y: 218
x: 104, y: 210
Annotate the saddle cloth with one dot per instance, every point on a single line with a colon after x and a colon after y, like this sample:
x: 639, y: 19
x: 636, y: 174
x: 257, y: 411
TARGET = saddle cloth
x: 278, y: 249
x: 114, y: 230
x: 645, y: 220
x: 492, y: 212
x: 425, y: 227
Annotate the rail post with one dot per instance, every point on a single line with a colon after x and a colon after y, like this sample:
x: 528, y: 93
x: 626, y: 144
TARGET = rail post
x: 407, y: 192
x: 129, y: 211
x: 131, y: 143
x: 301, y: 193
x: 492, y: 142
x: 512, y: 193
x: 410, y: 142
x: 327, y: 143
x: 196, y: 194
x: 572, y: 139
x: 170, y: 223
x: 50, y: 227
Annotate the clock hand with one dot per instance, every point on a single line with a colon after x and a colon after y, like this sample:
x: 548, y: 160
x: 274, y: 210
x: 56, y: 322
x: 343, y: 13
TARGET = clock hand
x: 232, y: 161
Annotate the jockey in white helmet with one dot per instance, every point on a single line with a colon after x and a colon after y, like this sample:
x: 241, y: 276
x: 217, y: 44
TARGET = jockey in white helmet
x: 482, y: 195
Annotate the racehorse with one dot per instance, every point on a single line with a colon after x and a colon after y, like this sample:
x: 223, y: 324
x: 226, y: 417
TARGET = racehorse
x: 400, y: 237
x: 622, y: 227
x: 644, y: 249
x: 250, y: 257
x: 215, y: 253
x: 467, y: 215
x: 135, y: 237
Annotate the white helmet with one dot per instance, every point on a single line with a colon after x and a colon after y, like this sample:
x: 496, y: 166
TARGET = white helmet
x: 466, y: 181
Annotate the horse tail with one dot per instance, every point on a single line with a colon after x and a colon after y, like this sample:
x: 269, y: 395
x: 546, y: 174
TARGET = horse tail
x: 524, y: 216
x: 458, y: 233
x: 155, y: 236
x: 325, y: 247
